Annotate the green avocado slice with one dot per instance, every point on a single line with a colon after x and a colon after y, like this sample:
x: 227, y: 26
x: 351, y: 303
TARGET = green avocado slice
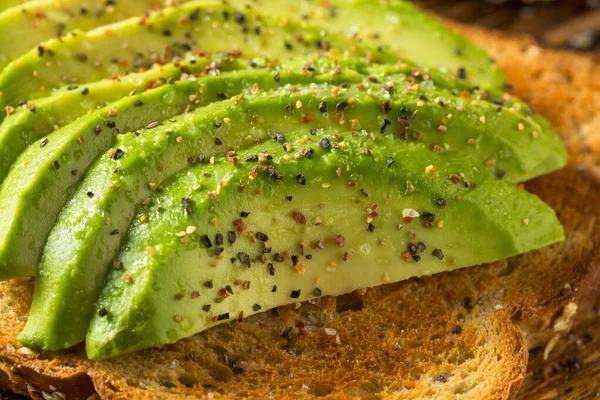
x: 46, y: 174
x: 139, y: 42
x: 224, y: 241
x: 22, y: 127
x: 90, y: 227
x: 23, y: 27
x: 396, y: 25
x: 6, y: 4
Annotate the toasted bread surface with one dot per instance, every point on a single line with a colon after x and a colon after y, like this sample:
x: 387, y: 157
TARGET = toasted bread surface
x: 465, y: 332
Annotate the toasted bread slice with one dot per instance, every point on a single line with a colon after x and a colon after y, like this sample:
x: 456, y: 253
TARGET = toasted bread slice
x: 464, y: 332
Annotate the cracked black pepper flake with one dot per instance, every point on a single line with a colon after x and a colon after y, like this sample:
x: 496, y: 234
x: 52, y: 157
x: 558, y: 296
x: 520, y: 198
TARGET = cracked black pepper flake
x: 206, y: 241
x: 324, y: 143
x: 295, y: 293
x: 97, y: 129
x: 457, y: 330
x: 186, y: 204
x: 221, y: 95
x: 273, y: 173
x: 370, y: 227
x: 266, y: 250
x: 251, y: 157
x: 85, y: 91
x: 274, y: 288
x: 223, y: 317
x: 341, y: 106
x: 209, y: 284
x: 289, y: 108
x: 231, y: 236
x: 501, y: 173
x: 256, y: 307
x: 244, y: 214
x: 117, y: 154
x: 90, y: 195
x: 441, y: 202
x: 422, y: 246
x: 229, y: 289
x: 277, y: 76
x: 427, y: 216
x: 43, y: 142
x: 308, y: 153
x: 218, y: 142
x: 218, y: 239
x: 218, y: 124
x: 243, y: 257
x: 206, y: 307
x: 386, y: 106
x: 239, y: 17
x: 438, y: 253
x: 385, y: 126
x: 138, y: 103
x: 412, y: 249
x: 219, y: 251
x: 102, y: 312
x: 111, y: 124
x: 390, y: 162
x: 416, y: 258
x: 294, y: 260
x: 56, y: 164
x: 289, y: 198
x: 261, y: 237
x: 271, y: 268
x: 278, y: 137
x: 461, y: 73
x: 442, y: 378
x: 316, y: 292
x: 72, y: 87
x: 114, y: 232
x: 32, y: 108
x: 323, y: 107
x: 404, y: 121
x: 237, y: 370
x: 301, y: 179
x: 364, y: 192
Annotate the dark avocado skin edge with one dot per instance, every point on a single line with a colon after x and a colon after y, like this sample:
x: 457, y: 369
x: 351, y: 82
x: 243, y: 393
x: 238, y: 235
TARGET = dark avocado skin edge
x: 56, y: 258
x: 142, y: 311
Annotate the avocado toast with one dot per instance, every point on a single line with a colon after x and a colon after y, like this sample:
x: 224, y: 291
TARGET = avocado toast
x: 280, y: 190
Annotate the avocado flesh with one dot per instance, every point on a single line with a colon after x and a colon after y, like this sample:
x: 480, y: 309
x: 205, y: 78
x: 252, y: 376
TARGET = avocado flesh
x: 166, y: 278
x: 139, y: 42
x: 89, y: 230
x: 6, y: 4
x: 51, y: 19
x: 64, y: 106
x: 36, y: 188
x: 396, y: 25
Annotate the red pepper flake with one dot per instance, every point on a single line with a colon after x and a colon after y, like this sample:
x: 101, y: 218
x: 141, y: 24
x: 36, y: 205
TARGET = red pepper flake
x: 346, y: 256
x: 307, y: 118
x: 339, y: 240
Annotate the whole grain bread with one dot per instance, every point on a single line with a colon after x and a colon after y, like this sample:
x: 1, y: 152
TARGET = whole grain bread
x: 460, y: 334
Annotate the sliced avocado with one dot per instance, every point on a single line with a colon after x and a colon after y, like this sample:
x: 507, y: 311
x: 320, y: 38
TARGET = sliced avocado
x: 23, y: 27
x: 223, y: 241
x: 22, y: 127
x: 90, y: 227
x: 6, y: 4
x: 135, y: 43
x: 395, y: 25
x: 46, y: 174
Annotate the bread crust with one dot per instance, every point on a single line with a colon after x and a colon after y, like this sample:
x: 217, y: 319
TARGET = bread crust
x: 464, y: 332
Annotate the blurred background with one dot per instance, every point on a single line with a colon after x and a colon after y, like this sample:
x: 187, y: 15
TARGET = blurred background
x: 564, y: 24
